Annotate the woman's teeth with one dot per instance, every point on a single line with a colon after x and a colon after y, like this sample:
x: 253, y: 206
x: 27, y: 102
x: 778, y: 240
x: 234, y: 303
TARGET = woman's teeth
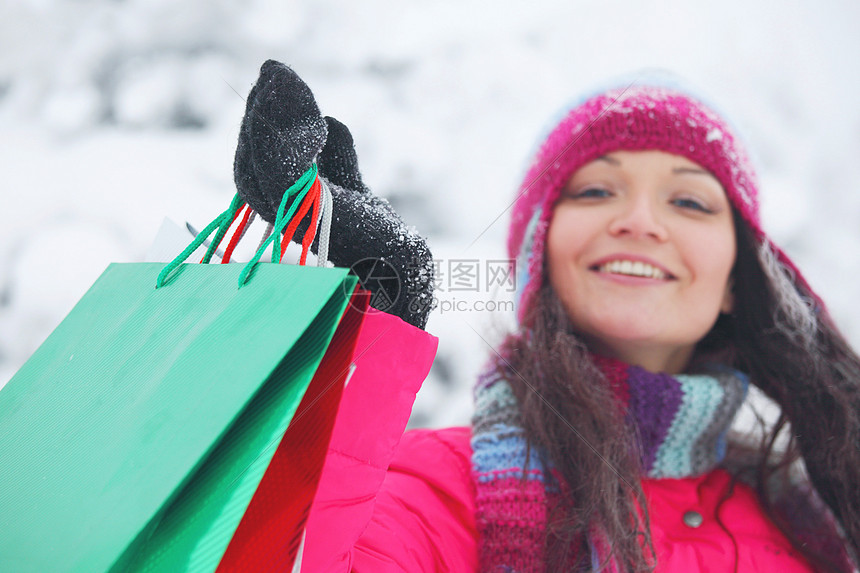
x: 636, y: 269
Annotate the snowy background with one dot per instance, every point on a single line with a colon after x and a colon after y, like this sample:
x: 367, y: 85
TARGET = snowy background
x: 116, y: 114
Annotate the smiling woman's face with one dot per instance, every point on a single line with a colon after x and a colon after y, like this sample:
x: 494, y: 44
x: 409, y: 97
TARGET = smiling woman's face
x: 640, y: 251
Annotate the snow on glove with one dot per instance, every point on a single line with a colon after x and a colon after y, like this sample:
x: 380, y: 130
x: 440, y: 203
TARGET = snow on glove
x: 282, y: 133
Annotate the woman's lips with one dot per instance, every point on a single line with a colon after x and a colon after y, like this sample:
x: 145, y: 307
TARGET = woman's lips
x: 632, y: 267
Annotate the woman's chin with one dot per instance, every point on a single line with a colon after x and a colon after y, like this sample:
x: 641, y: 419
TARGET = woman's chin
x: 625, y: 332
x: 639, y: 345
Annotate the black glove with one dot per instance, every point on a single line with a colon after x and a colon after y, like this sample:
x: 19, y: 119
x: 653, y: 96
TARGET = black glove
x: 282, y: 134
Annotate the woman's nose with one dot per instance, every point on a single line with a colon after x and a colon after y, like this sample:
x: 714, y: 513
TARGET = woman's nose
x: 638, y: 218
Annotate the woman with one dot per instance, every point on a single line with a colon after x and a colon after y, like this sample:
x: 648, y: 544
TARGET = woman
x: 639, y: 232
x: 649, y: 298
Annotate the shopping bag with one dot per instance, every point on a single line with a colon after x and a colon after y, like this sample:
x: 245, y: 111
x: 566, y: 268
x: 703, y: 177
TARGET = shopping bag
x: 135, y: 437
x: 145, y: 398
x: 392, y: 359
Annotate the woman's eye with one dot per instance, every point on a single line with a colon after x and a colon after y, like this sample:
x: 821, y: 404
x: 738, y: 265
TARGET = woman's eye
x: 590, y: 193
x: 694, y: 204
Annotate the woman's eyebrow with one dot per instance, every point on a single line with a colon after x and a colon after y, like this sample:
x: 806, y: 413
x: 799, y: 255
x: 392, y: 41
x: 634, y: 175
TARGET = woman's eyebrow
x: 608, y: 159
x: 692, y: 170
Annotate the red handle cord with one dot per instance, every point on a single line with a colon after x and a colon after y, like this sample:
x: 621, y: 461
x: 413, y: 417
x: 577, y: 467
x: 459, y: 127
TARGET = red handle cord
x: 237, y: 235
x: 309, y: 235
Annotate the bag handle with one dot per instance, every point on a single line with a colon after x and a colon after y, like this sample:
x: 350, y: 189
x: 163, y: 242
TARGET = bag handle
x: 311, y: 200
x: 320, y: 198
x: 217, y: 223
x: 303, y: 185
x: 250, y: 214
x: 223, y: 221
x: 325, y: 225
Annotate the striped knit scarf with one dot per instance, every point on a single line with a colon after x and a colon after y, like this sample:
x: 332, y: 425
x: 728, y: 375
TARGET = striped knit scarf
x: 681, y: 422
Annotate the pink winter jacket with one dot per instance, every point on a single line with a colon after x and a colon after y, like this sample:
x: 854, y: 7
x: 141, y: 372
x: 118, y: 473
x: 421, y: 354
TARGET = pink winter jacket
x: 417, y: 514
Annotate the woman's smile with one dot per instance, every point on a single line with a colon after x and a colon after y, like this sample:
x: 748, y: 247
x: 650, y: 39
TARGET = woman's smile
x: 625, y: 265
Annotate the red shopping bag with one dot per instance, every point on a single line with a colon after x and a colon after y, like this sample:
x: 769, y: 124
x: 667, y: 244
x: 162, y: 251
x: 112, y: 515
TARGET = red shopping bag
x: 271, y: 529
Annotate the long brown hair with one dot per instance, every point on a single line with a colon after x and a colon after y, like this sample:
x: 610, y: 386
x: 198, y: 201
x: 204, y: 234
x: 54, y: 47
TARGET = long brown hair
x: 791, y: 351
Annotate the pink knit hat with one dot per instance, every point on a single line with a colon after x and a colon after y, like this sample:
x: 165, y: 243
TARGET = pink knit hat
x: 632, y: 117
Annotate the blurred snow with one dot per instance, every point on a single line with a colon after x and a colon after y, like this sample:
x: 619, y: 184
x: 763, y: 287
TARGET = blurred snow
x: 117, y: 114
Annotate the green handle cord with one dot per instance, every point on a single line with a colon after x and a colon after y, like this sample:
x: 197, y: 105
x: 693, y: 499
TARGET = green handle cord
x: 303, y: 185
x: 222, y: 222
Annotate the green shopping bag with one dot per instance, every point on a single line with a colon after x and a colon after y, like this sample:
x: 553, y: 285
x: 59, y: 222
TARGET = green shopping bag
x: 157, y: 410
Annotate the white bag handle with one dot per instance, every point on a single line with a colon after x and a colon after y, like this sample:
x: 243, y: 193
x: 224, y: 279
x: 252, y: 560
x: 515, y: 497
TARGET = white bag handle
x: 325, y: 225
